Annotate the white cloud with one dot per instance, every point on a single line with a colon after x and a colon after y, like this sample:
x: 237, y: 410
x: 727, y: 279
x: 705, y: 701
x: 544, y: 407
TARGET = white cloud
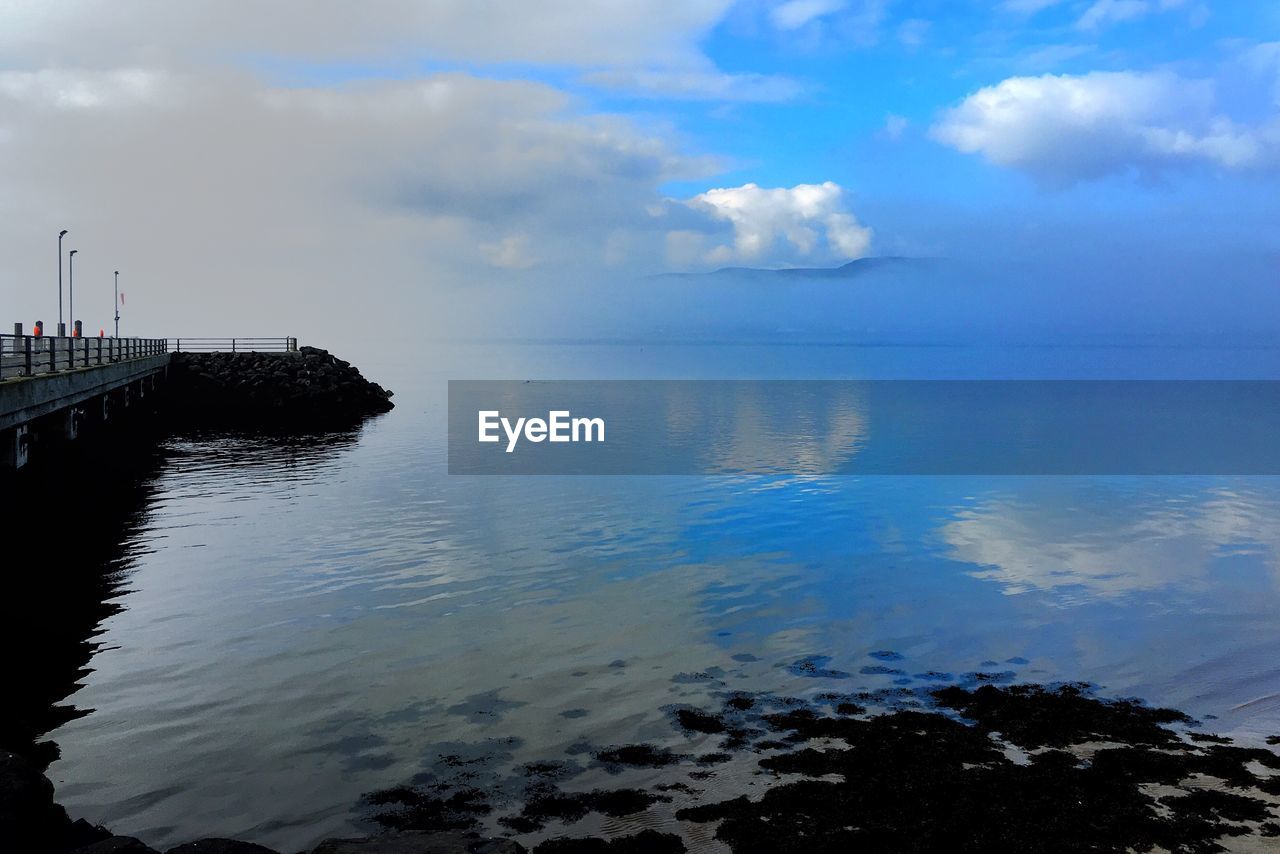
x: 1264, y: 60
x: 912, y: 32
x: 63, y: 88
x: 1062, y: 129
x: 566, y: 32
x: 804, y: 223
x: 1047, y: 57
x: 698, y: 84
x: 1104, y: 12
x: 813, y: 23
x: 1028, y: 7
x: 512, y: 252
x: 228, y: 204
x: 1112, y: 11
x: 794, y: 14
x: 638, y: 42
x: 895, y: 126
x: 1100, y: 13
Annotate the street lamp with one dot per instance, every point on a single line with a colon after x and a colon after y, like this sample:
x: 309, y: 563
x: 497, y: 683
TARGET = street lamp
x: 71, y: 285
x: 61, y: 234
x: 117, y: 303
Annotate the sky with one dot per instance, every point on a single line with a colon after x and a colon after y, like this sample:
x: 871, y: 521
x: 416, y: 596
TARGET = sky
x: 326, y: 168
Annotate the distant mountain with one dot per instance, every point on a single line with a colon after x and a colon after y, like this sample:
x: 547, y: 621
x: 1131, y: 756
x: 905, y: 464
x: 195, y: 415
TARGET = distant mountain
x: 851, y: 270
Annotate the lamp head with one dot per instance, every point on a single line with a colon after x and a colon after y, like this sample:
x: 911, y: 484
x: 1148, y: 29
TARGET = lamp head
x: 73, y: 251
x: 62, y: 233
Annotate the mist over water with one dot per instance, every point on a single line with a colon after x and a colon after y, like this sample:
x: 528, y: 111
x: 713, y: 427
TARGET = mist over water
x: 307, y: 621
x: 245, y: 635
x: 1091, y: 295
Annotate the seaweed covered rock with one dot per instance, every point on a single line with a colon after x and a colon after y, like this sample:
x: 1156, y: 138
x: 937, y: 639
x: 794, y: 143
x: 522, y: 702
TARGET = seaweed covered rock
x: 309, y: 387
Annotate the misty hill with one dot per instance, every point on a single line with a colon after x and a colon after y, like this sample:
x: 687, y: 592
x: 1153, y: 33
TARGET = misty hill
x: 851, y: 270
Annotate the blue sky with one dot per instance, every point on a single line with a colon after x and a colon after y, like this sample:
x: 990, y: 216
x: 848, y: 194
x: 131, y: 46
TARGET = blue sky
x: 427, y: 147
x: 850, y: 94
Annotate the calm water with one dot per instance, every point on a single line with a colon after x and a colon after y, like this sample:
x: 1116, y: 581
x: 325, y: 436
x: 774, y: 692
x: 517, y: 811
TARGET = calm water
x: 304, y: 622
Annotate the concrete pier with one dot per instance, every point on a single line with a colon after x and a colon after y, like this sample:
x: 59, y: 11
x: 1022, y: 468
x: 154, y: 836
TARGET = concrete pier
x: 45, y: 396
x: 53, y: 389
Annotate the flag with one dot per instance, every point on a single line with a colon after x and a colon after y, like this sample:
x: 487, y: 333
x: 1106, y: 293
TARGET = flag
x: 122, y: 297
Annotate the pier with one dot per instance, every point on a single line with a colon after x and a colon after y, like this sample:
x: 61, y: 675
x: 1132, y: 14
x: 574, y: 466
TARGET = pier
x: 52, y: 387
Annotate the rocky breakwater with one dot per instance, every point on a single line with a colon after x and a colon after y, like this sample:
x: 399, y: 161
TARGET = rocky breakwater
x: 306, y: 388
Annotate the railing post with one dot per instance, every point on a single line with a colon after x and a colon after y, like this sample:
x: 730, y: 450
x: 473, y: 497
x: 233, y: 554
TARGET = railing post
x: 27, y: 368
x: 233, y: 345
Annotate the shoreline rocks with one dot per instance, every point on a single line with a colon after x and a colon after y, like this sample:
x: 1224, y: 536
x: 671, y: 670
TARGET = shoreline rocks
x: 971, y: 766
x: 303, y: 389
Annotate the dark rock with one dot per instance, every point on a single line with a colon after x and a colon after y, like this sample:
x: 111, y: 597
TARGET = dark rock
x: 81, y: 834
x: 308, y: 388
x: 924, y: 781
x: 1035, y: 716
x: 220, y: 846
x: 406, y: 808
x: 644, y: 842
x: 420, y: 842
x: 546, y: 803
x: 693, y: 720
x: 116, y: 845
x: 29, y: 819
x: 638, y: 756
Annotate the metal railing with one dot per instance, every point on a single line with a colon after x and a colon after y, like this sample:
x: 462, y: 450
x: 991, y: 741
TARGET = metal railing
x: 28, y: 355
x: 233, y: 345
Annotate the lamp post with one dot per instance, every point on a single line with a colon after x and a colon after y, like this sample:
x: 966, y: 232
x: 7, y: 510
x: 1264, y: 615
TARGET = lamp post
x: 61, y: 235
x: 117, y: 303
x: 71, y: 285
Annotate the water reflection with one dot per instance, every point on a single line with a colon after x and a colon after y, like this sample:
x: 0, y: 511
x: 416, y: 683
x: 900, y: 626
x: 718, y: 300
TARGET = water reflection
x: 800, y: 429
x: 58, y: 591
x: 105, y: 496
x: 1083, y: 539
x: 309, y: 622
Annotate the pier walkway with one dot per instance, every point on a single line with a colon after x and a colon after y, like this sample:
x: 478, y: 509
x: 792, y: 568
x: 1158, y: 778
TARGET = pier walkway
x: 51, y: 386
